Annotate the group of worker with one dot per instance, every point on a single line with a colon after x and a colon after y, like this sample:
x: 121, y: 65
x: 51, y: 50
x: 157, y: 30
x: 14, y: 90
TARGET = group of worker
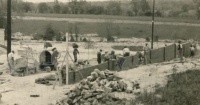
x: 143, y: 58
x: 111, y: 55
x: 107, y: 56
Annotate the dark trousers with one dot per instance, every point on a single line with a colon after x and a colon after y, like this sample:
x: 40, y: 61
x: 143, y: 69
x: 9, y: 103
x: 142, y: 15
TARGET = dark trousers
x: 126, y: 54
x: 99, y: 61
x: 192, y: 53
x: 75, y: 58
x: 120, y: 62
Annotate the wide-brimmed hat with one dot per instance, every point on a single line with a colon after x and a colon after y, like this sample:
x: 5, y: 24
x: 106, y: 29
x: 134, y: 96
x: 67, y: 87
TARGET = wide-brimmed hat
x: 53, y: 49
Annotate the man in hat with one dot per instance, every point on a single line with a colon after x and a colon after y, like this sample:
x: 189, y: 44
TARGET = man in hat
x: 145, y: 50
x: 192, y: 51
x: 107, y: 56
x: 54, y: 57
x: 75, y: 52
x: 112, y: 55
x: 11, y: 62
x: 99, y: 56
x: 126, y: 51
x: 180, y: 51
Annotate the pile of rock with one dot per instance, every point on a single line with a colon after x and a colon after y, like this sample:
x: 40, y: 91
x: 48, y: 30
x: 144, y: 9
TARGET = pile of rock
x: 96, y: 88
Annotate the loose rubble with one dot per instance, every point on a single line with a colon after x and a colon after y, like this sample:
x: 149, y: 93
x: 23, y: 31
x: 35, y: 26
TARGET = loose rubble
x: 46, y: 80
x: 96, y: 89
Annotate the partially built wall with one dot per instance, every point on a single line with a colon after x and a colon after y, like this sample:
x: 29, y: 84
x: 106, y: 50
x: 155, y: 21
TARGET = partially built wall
x: 163, y: 54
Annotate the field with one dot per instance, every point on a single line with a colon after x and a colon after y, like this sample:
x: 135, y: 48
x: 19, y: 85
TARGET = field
x: 117, y: 29
x: 141, y: 18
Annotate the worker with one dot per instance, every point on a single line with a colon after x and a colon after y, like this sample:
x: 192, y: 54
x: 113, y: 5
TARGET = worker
x: 107, y: 56
x: 180, y: 51
x: 112, y: 55
x: 141, y: 57
x: 120, y: 61
x: 126, y: 51
x: 145, y: 50
x: 75, y: 52
x: 45, y: 44
x: 192, y: 50
x: 99, y: 56
x: 11, y: 62
x: 54, y: 57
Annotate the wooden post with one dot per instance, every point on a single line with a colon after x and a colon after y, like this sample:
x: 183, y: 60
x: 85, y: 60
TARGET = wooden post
x: 8, y: 26
x: 164, y: 49
x: 67, y: 49
x: 175, y: 55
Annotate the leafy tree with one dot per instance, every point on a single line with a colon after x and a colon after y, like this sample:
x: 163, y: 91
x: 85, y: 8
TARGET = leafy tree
x: 56, y: 7
x: 144, y: 7
x: 26, y: 6
x: 43, y: 7
x: 185, y: 7
x: 135, y: 6
x: 114, y: 8
x: 65, y: 9
x: 197, y: 5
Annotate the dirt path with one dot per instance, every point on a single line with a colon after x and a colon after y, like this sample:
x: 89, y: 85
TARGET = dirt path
x: 104, y: 20
x: 20, y: 88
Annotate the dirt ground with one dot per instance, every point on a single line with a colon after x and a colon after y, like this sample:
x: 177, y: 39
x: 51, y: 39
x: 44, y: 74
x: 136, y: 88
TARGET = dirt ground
x: 17, y: 90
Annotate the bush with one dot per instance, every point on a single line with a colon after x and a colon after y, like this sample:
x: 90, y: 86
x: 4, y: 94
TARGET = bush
x: 38, y: 36
x: 72, y: 38
x: 181, y: 89
x: 85, y: 40
x: 129, y: 13
x: 148, y: 13
x: 147, y: 39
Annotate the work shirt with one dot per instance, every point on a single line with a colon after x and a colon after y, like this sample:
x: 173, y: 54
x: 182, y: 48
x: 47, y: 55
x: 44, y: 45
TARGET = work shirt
x: 55, y: 55
x: 180, y: 46
x: 126, y: 50
x: 75, y: 51
x: 146, y: 48
x: 192, y: 48
x: 11, y: 56
x: 99, y: 55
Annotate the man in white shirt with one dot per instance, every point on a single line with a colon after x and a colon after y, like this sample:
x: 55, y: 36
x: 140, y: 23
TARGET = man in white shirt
x: 126, y: 51
x: 180, y: 50
x: 145, y: 50
x: 11, y: 62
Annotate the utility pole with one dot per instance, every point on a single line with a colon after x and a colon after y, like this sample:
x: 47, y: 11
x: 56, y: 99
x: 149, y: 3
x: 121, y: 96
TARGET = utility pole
x: 8, y: 26
x: 152, y: 35
x: 67, y: 61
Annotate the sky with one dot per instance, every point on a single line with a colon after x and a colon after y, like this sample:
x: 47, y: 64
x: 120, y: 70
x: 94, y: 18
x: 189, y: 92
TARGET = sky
x: 37, y: 1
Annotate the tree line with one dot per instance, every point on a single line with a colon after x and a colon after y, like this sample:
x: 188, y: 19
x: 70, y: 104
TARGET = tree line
x: 188, y: 8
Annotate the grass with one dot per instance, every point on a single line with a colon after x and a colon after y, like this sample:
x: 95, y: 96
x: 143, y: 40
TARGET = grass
x: 181, y: 89
x: 141, y: 18
x: 126, y: 30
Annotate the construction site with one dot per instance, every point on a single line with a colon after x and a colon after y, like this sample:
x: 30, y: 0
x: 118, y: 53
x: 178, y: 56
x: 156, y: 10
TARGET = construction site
x: 97, y: 70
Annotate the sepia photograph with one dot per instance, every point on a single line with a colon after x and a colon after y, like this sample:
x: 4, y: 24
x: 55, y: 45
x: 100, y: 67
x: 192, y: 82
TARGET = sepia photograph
x: 99, y: 52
